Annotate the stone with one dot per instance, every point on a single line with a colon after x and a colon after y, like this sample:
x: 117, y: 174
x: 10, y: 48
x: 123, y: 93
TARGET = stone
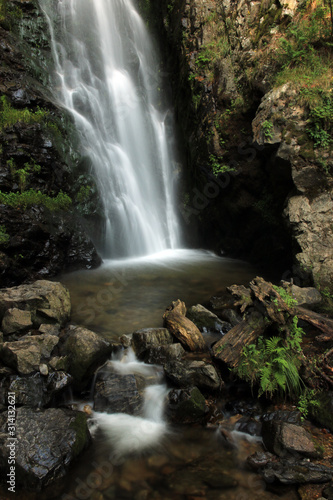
x: 328, y: 491
x: 16, y: 321
x: 85, y: 350
x: 206, y: 320
x: 286, y: 439
x: 296, y: 472
x: 143, y: 340
x: 43, y: 369
x: 117, y: 393
x: 159, y: 355
x: 182, y: 328
x: 57, y: 381
x: 188, y: 373
x: 48, y: 441
x: 26, y: 355
x: 186, y: 405
x: 59, y: 363
x: 29, y: 391
x: 248, y: 426
x: 50, y: 329
x: 306, y: 296
x: 47, y: 302
x: 310, y: 220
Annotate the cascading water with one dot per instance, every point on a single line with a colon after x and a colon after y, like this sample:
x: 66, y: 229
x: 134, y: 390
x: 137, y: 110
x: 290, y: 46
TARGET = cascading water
x: 107, y: 74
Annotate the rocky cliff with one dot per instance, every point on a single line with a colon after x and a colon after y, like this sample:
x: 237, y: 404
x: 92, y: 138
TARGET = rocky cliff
x: 252, y: 89
x: 47, y: 196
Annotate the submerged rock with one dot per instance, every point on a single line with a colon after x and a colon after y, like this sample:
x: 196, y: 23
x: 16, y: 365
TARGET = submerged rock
x: 47, y: 443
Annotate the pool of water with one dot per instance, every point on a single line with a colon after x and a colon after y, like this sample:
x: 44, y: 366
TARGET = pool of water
x: 125, y: 295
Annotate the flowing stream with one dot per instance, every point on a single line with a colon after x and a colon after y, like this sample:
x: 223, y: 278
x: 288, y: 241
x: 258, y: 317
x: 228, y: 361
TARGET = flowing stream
x: 107, y: 76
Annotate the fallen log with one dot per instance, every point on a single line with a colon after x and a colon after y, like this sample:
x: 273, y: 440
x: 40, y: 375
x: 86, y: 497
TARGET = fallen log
x: 229, y: 349
x: 323, y: 324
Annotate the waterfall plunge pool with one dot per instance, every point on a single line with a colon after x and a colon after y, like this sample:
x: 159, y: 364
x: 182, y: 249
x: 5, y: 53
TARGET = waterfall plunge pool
x: 122, y: 296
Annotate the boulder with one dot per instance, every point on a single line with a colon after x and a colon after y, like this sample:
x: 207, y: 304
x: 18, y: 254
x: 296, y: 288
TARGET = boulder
x: 186, y: 405
x: 143, y: 340
x: 116, y: 393
x: 187, y: 373
x: 47, y: 302
x: 286, y: 439
x: 85, y: 350
x: 15, y: 321
x: 182, y: 328
x: 26, y: 355
x: 206, y: 320
x: 47, y: 443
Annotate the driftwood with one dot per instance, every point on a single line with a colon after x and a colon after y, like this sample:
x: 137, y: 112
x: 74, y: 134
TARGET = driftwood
x: 229, y: 348
x: 182, y: 328
x: 320, y: 322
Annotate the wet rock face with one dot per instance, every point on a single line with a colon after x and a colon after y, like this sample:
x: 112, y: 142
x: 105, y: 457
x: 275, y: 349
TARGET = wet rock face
x: 47, y: 443
x: 41, y: 242
x: 286, y: 439
x: 186, y: 405
x: 117, y: 393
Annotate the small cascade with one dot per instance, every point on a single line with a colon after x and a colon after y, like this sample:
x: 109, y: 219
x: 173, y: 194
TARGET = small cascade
x: 128, y: 434
x: 107, y: 76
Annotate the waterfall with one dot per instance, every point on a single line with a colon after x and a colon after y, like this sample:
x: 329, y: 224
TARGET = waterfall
x: 107, y: 76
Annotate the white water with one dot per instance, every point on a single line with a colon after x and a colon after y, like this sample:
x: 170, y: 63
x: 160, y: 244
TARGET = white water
x: 107, y: 77
x: 129, y: 434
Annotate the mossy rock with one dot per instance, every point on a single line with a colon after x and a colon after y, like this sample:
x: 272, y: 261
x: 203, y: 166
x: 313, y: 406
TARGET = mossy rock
x: 323, y: 413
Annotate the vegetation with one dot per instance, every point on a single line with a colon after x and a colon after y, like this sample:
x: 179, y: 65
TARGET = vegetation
x: 267, y: 128
x: 273, y: 363
x: 285, y: 296
x: 21, y: 174
x: 4, y: 237
x: 9, y: 116
x: 217, y: 167
x: 31, y: 197
x: 307, y: 402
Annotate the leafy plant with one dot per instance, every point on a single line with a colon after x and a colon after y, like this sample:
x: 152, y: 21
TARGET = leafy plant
x: 273, y: 363
x: 217, y: 167
x: 267, y: 128
x: 4, y: 237
x: 307, y: 401
x: 285, y: 296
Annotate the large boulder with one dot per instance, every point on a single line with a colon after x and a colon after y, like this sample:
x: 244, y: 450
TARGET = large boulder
x: 287, y: 471
x: 85, y: 350
x: 47, y: 301
x: 182, y: 328
x: 47, y: 443
x: 26, y: 355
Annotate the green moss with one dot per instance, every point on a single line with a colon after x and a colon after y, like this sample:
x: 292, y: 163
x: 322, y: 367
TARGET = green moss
x: 79, y: 425
x: 323, y: 413
x: 31, y: 197
x: 4, y: 237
